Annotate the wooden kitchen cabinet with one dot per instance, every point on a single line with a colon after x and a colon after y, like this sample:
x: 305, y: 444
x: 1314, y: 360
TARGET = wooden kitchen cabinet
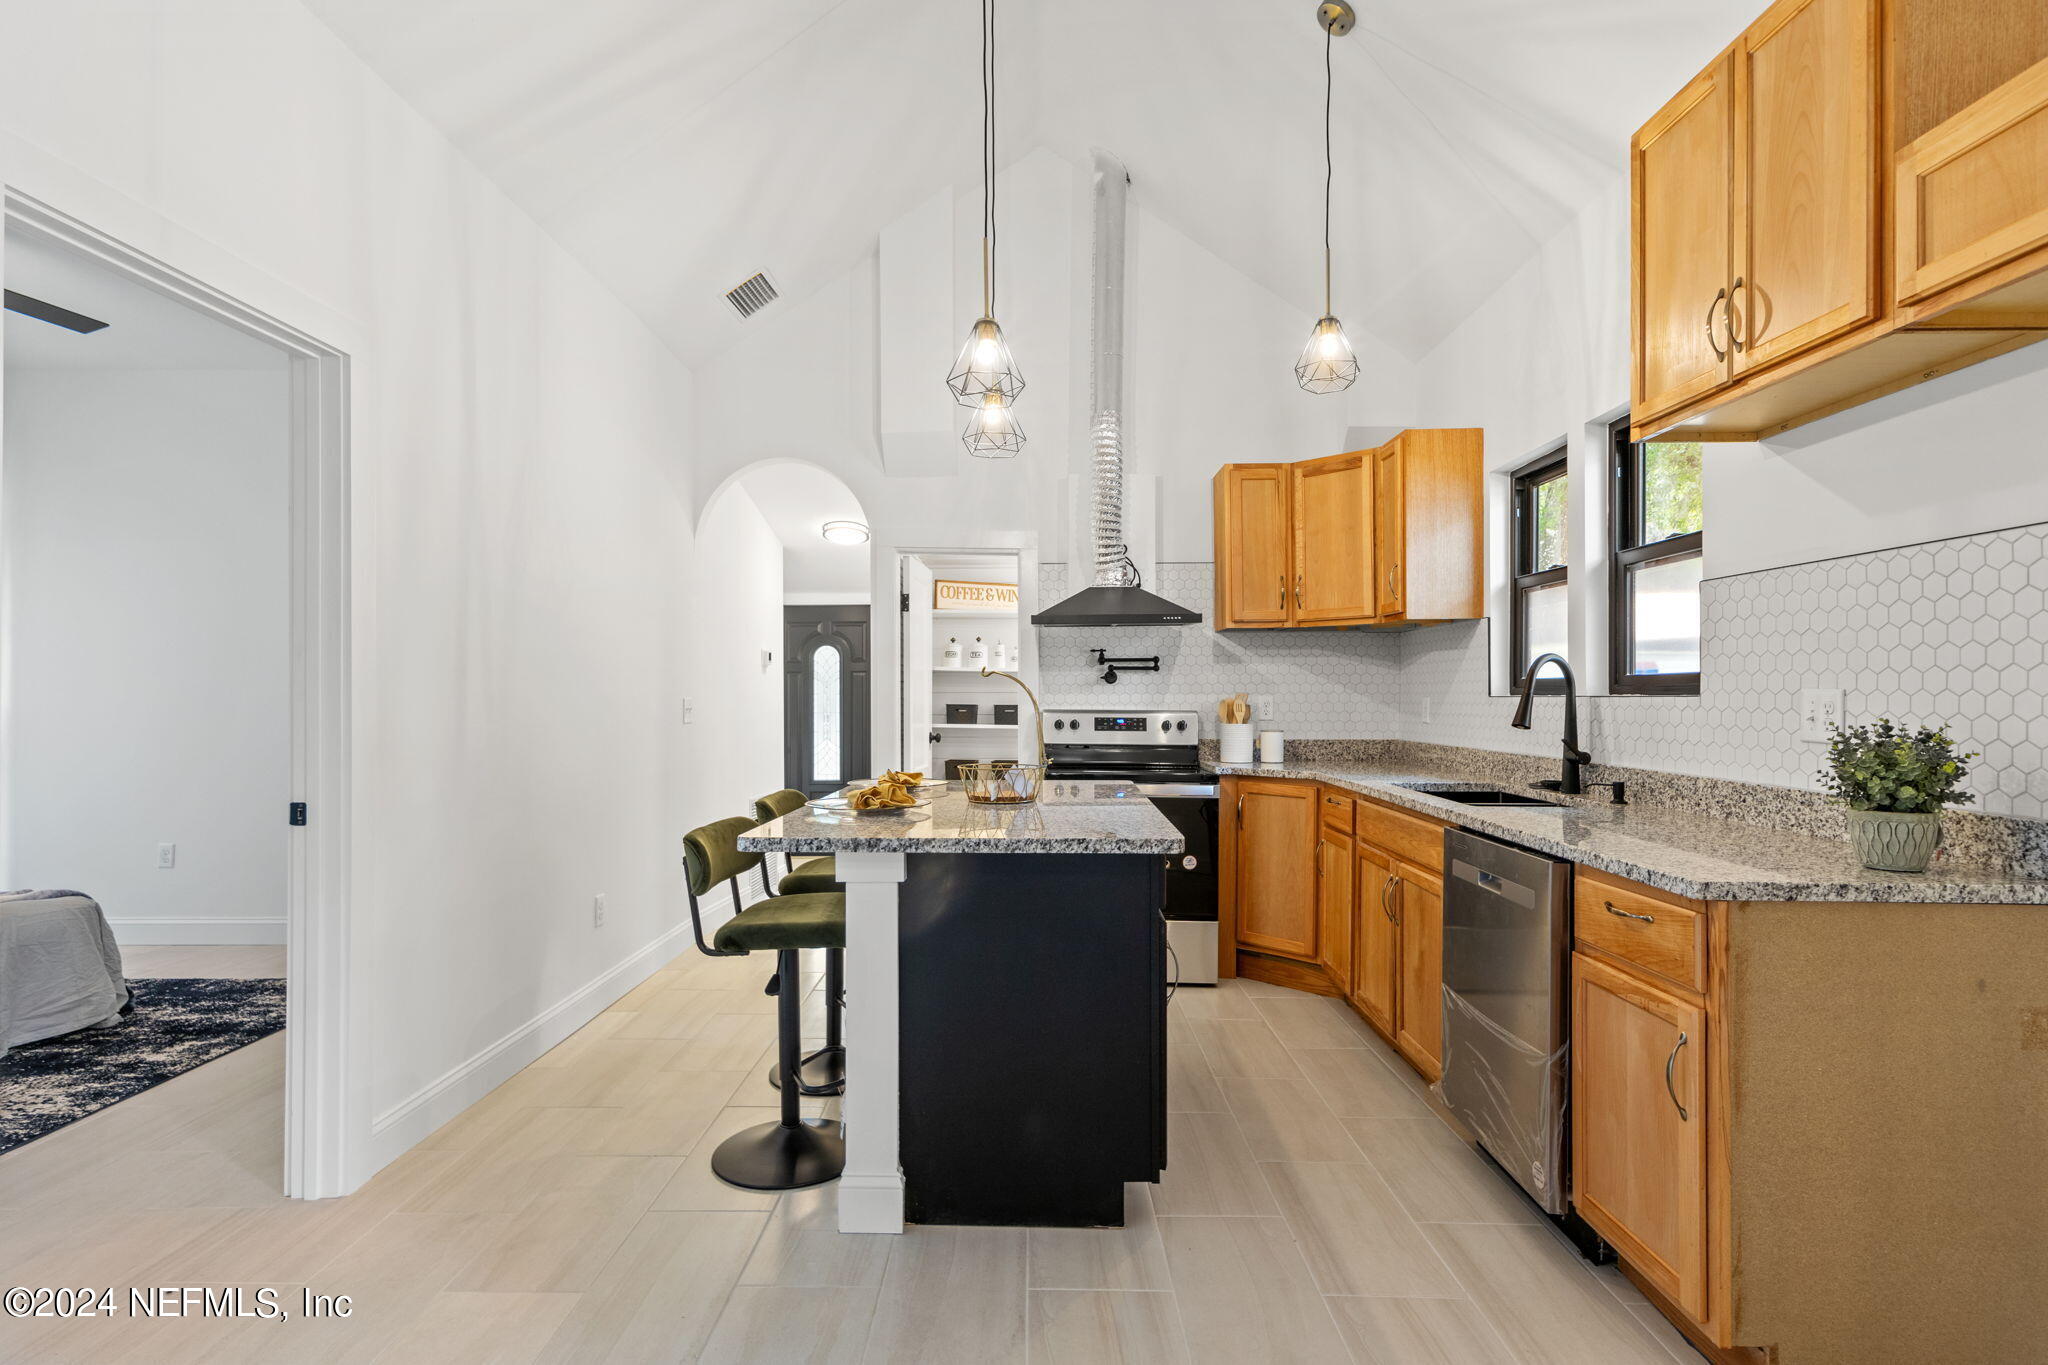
x: 1418, y: 904
x: 1374, y: 985
x: 1681, y: 161
x: 1275, y: 874
x: 1831, y: 138
x: 1254, y: 545
x: 1336, y: 894
x: 1805, y: 179
x: 1972, y: 194
x: 1639, y: 1131
x: 1369, y: 537
x: 1333, y: 539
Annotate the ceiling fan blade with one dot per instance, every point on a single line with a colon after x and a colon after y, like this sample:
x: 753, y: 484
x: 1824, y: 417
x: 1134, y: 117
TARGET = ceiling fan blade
x: 51, y: 313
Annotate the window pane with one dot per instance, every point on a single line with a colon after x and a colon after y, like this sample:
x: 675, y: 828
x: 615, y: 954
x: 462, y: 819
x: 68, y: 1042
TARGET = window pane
x: 825, y: 697
x: 1664, y: 605
x: 1544, y: 626
x: 1671, y: 490
x: 1551, y: 498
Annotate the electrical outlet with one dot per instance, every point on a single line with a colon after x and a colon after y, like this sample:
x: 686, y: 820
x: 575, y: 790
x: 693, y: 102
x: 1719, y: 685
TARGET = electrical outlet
x: 1819, y: 708
x: 1425, y: 709
x: 689, y: 710
x: 166, y: 857
x: 1262, y: 706
x: 597, y: 911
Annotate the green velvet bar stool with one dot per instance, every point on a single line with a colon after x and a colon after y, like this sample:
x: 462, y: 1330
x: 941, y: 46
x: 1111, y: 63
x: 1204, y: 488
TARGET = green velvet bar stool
x: 822, y: 1072
x: 791, y: 1153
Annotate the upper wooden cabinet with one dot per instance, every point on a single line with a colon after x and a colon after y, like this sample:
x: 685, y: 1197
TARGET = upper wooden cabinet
x: 1255, y: 542
x: 1363, y: 538
x: 1333, y: 539
x: 1682, y: 159
x: 1831, y: 138
x: 1805, y: 179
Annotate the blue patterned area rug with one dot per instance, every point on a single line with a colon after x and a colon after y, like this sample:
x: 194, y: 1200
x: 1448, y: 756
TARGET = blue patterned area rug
x: 177, y: 1023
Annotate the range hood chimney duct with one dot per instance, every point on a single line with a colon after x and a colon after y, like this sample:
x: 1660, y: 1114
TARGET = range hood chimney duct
x: 1117, y: 598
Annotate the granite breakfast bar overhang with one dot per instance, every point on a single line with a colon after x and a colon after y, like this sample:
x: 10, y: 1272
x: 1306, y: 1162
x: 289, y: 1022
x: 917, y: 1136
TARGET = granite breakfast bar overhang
x: 1005, y: 1004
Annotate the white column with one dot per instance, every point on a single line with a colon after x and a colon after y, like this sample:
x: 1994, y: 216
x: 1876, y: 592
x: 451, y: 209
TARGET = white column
x: 871, y: 1189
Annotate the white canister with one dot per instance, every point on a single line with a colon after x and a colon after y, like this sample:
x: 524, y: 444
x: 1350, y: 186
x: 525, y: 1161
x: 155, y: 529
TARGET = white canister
x: 977, y: 654
x: 999, y: 655
x: 1272, y: 746
x: 949, y: 657
x: 1235, y: 742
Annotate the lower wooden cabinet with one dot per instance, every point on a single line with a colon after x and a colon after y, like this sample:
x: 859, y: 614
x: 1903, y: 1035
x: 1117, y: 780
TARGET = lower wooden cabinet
x: 1335, y: 896
x: 1277, y: 826
x: 1375, y: 940
x: 1639, y: 1131
x: 1418, y: 901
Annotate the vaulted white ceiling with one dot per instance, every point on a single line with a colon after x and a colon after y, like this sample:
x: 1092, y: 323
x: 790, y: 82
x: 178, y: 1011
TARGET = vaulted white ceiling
x: 676, y: 146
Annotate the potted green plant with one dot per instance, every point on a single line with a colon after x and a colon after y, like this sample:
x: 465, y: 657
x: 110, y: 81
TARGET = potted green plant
x: 1895, y: 782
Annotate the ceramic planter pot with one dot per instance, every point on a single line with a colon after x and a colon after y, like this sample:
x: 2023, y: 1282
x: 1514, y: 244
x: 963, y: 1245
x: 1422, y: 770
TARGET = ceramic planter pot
x: 1895, y: 841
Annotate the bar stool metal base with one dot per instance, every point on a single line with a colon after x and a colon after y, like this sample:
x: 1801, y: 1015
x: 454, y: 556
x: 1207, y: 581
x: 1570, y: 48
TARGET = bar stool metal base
x: 770, y: 1156
x: 821, y: 1073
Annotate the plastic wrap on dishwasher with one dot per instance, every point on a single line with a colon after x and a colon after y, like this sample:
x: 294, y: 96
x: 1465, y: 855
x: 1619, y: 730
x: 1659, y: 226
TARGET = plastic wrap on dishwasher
x: 1502, y: 1088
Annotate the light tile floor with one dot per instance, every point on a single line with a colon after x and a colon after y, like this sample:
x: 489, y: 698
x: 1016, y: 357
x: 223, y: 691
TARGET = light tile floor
x: 1314, y: 1210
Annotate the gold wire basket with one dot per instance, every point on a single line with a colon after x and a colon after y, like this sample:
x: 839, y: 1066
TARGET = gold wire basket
x: 1002, y: 783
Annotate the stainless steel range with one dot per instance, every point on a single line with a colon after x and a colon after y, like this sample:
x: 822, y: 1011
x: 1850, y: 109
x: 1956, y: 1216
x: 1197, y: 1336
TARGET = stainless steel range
x: 1159, y: 753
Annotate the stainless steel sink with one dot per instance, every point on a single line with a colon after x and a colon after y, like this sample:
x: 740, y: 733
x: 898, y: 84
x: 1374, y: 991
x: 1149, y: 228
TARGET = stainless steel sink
x: 1481, y: 796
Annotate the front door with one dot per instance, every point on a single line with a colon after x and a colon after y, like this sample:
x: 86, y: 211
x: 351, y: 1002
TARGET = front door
x: 825, y: 697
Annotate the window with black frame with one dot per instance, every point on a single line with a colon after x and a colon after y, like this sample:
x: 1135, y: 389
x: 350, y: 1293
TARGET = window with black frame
x: 1542, y: 564
x: 1654, y: 596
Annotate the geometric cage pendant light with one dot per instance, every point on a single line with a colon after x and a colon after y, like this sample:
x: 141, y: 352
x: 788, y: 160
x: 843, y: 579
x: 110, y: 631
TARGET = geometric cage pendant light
x: 985, y: 379
x: 1328, y: 364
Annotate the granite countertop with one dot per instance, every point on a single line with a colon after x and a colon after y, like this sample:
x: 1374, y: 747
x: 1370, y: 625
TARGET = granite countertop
x: 1068, y: 817
x: 1676, y: 849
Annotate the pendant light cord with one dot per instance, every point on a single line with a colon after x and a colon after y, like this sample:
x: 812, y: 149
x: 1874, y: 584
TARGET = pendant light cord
x: 1329, y: 84
x: 988, y: 156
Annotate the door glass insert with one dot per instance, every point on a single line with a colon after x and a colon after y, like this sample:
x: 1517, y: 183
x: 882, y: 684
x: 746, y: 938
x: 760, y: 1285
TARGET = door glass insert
x: 826, y: 695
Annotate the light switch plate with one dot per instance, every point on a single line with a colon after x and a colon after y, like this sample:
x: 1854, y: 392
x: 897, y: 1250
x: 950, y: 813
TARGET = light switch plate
x: 1819, y: 708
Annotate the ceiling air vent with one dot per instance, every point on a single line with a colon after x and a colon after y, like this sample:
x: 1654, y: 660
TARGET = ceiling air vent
x: 751, y: 296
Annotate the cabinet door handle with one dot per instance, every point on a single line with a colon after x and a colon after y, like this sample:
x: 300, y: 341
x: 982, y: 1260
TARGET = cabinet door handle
x: 1669, y: 1088
x: 1719, y: 295
x: 1614, y: 909
x: 1297, y: 592
x: 1283, y: 592
x: 1387, y: 898
x: 1735, y: 341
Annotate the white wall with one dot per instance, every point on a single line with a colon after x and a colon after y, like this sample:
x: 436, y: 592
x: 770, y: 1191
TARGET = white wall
x: 1209, y: 380
x: 148, y: 675
x: 522, y: 512
x: 736, y: 700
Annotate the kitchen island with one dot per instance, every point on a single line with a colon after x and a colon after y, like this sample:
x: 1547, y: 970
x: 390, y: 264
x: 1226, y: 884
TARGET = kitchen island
x: 1005, y: 1004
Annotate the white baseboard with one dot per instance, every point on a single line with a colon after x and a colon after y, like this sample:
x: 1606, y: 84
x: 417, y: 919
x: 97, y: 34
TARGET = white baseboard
x: 190, y: 932
x: 405, y: 1124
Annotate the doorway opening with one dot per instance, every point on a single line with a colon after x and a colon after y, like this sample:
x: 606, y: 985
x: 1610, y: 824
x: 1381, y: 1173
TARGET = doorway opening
x: 173, y: 705
x: 963, y: 611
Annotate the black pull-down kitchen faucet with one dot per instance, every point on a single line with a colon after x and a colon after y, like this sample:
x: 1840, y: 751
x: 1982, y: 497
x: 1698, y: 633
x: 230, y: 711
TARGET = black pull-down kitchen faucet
x: 1575, y: 758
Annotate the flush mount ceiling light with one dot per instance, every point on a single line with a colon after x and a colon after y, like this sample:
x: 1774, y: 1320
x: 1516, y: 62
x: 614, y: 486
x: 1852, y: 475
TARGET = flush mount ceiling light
x: 985, y: 378
x: 1327, y: 363
x: 844, y: 532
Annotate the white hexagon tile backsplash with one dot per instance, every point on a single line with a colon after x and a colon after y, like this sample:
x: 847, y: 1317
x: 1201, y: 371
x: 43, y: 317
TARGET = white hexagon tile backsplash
x: 1954, y: 632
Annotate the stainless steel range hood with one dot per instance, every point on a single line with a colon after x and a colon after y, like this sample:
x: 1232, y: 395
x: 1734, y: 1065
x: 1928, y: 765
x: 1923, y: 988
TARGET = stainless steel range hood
x: 1104, y: 605
x: 1117, y: 598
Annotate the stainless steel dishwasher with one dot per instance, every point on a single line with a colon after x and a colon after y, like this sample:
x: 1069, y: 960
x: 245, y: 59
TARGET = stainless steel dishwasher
x: 1507, y: 993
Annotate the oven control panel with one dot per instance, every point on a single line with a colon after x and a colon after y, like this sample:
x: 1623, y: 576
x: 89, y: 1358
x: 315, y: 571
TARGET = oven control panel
x: 1122, y: 727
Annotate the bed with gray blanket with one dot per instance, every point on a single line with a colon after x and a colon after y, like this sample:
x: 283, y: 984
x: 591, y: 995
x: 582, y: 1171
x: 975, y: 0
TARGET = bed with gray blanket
x: 60, y: 969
